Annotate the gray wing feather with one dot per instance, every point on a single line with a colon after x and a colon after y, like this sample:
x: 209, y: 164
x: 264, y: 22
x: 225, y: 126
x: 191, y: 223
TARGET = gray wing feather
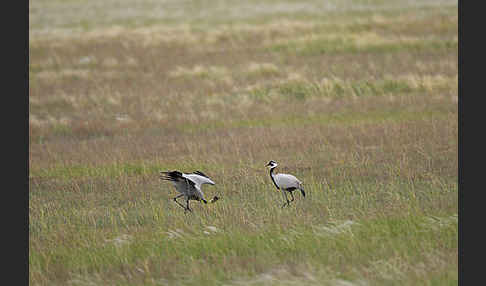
x: 288, y: 181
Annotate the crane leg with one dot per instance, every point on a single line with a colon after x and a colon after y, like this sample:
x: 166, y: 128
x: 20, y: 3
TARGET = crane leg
x: 175, y: 200
x: 292, y: 195
x: 286, y: 199
x: 187, y: 208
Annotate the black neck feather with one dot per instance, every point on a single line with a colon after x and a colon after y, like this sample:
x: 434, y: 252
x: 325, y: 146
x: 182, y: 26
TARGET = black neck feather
x: 273, y: 180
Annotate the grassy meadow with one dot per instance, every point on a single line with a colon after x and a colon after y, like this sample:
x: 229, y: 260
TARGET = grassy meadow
x: 357, y: 98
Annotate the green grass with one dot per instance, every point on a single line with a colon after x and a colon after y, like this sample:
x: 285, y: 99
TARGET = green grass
x: 358, y: 99
x: 349, y: 45
x: 338, y: 230
x: 337, y: 88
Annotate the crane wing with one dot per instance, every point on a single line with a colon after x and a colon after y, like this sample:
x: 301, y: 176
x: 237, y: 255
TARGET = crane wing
x: 187, y: 184
x: 286, y: 181
x: 180, y: 182
x: 198, y: 178
x: 175, y: 176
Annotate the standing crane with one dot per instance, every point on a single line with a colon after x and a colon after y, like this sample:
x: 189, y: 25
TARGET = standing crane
x: 286, y: 183
x: 189, y: 186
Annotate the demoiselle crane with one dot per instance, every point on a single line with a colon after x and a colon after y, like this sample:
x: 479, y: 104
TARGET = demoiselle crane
x: 286, y: 183
x: 189, y: 186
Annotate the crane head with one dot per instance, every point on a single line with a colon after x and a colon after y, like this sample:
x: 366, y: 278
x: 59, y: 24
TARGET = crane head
x: 272, y: 164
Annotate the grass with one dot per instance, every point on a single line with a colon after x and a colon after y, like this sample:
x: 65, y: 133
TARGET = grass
x: 358, y: 99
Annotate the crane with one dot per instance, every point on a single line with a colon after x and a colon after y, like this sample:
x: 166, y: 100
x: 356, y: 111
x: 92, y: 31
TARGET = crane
x: 189, y: 186
x: 286, y: 183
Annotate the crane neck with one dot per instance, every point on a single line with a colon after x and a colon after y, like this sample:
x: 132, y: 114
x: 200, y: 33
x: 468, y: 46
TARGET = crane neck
x: 271, y: 176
